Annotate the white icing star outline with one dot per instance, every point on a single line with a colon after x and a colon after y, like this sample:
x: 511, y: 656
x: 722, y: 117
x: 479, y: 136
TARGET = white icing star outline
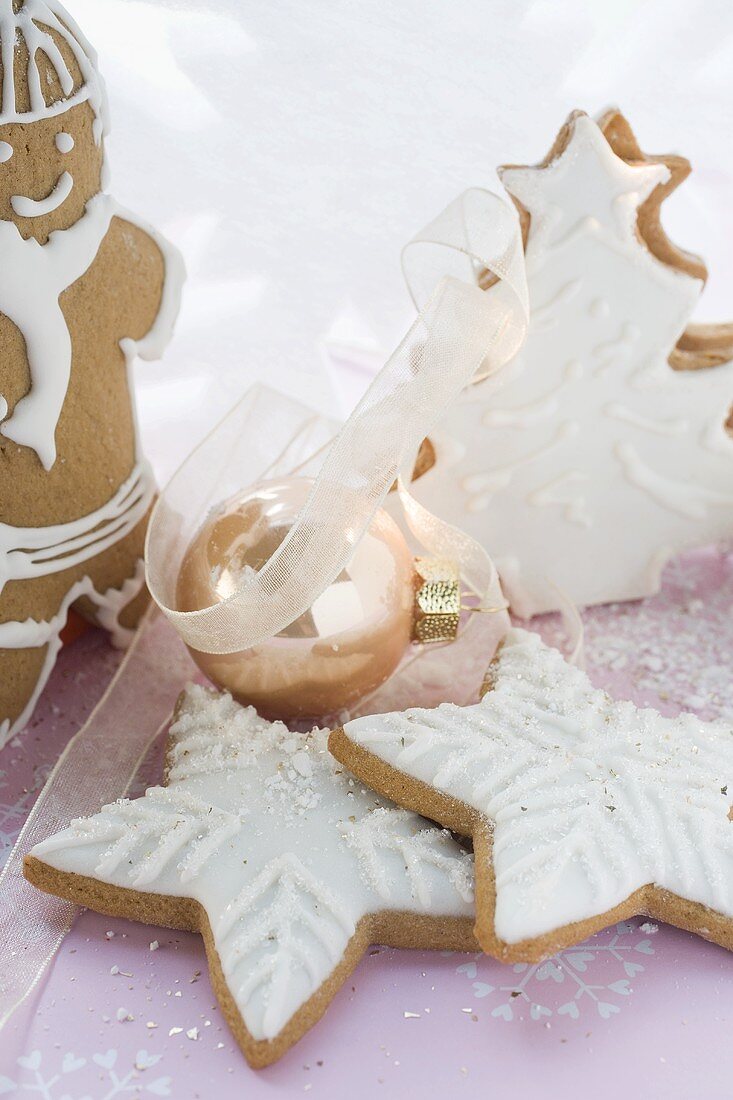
x: 286, y: 864
x: 567, y: 191
x: 584, y: 811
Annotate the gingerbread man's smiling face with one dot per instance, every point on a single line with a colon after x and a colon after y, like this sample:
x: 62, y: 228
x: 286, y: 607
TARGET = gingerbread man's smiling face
x: 49, y: 170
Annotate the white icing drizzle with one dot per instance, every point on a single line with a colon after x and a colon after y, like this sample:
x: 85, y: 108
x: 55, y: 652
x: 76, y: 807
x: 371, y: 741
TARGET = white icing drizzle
x: 599, y: 308
x: 166, y: 822
x: 34, y: 632
x: 545, y: 316
x: 378, y: 832
x: 483, y: 486
x: 282, y: 847
x: 64, y: 142
x: 28, y: 25
x: 604, y: 367
x: 30, y: 552
x: 590, y: 799
x: 36, y: 208
x: 564, y: 490
x: 523, y: 415
x: 283, y: 925
x: 113, y: 602
x: 717, y: 439
x: 677, y: 495
x: 32, y: 279
x: 534, y: 412
x: 609, y: 352
x: 668, y: 427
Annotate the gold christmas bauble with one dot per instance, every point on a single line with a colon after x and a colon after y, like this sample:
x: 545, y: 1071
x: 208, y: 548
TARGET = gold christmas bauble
x: 346, y: 645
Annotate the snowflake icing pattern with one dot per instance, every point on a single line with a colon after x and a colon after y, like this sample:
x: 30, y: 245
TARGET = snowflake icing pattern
x: 570, y: 982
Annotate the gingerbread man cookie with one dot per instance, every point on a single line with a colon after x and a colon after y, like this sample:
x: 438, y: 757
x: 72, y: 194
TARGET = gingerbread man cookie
x: 604, y: 447
x: 287, y: 866
x: 583, y: 811
x: 84, y: 287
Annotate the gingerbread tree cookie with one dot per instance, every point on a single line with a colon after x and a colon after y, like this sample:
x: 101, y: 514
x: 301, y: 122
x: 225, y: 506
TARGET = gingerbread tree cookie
x: 603, y: 447
x: 84, y: 286
x: 287, y: 866
x: 583, y: 811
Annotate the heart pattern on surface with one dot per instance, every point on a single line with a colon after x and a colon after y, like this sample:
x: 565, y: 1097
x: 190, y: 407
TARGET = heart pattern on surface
x: 106, y: 1061
x: 71, y: 1062
x: 161, y: 1087
x: 579, y: 960
x: 30, y: 1061
x: 143, y: 1060
x: 550, y: 969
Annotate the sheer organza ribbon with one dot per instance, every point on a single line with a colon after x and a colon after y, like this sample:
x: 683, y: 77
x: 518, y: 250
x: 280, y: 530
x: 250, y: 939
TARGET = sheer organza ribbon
x: 96, y: 767
x: 461, y: 333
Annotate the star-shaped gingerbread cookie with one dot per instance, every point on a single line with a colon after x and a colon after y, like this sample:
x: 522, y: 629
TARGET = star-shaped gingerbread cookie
x: 287, y: 865
x: 583, y: 811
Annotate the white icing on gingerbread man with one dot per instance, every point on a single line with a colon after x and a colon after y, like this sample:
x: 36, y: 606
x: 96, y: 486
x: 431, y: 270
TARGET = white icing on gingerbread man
x: 58, y: 228
x: 32, y: 280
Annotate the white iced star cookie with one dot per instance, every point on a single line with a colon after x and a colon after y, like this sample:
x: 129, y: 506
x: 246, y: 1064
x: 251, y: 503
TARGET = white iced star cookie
x: 583, y: 811
x: 287, y: 865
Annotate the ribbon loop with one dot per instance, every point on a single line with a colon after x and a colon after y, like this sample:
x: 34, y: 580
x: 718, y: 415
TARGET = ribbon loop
x: 460, y: 331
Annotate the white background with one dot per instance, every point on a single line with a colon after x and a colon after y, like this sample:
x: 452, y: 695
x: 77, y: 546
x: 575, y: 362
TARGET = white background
x: 290, y: 148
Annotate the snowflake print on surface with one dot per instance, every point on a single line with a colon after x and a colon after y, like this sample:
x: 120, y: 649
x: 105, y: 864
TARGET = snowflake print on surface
x: 51, y: 1076
x: 14, y: 807
x: 590, y: 979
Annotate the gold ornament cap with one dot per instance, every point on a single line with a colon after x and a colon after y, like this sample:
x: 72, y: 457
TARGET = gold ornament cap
x: 437, y: 600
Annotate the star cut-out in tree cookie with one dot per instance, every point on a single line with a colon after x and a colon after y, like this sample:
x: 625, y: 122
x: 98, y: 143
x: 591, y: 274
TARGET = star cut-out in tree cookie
x: 288, y: 866
x: 602, y: 448
x: 583, y: 811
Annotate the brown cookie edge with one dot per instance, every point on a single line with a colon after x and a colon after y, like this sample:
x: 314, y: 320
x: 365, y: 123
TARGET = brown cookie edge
x: 422, y: 798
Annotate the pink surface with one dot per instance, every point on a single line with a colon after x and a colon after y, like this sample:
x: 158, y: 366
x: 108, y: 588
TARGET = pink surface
x: 635, y: 1009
